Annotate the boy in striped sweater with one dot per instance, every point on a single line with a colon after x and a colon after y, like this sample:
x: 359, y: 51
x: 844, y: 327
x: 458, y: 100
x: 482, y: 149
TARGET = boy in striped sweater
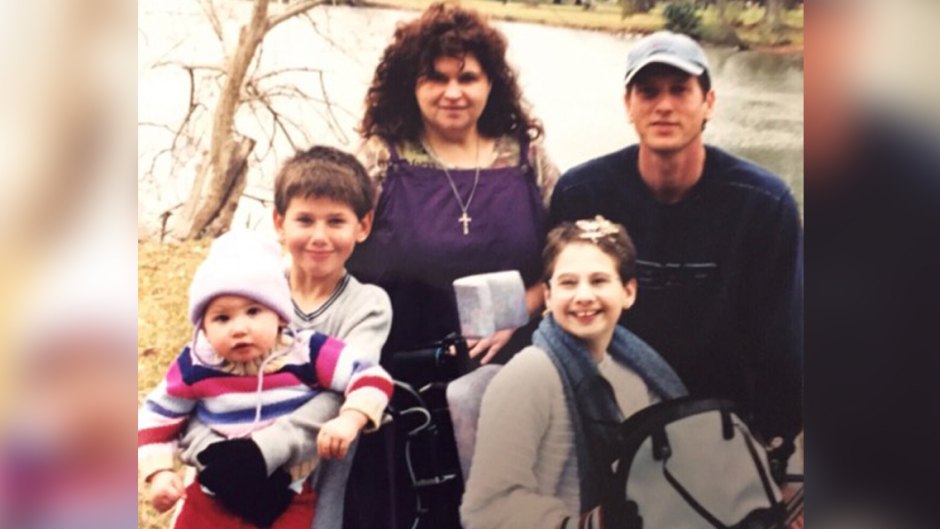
x: 241, y: 371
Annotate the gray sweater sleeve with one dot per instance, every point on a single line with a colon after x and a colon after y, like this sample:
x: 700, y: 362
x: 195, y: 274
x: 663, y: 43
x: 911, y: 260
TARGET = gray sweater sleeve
x: 363, y: 320
x: 523, y: 446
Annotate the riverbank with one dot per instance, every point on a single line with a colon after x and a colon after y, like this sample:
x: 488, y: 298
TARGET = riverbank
x: 607, y: 17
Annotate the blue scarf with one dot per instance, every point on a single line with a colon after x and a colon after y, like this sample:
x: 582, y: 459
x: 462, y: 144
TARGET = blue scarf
x: 595, y: 415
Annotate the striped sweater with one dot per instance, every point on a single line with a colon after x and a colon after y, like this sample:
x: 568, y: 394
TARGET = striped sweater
x: 227, y: 397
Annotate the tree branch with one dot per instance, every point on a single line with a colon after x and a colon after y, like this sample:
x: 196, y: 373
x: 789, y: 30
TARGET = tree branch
x: 220, y: 71
x: 264, y: 202
x: 256, y: 61
x: 193, y: 106
x: 156, y: 158
x: 298, y: 9
x: 259, y: 157
x: 209, y: 9
x: 163, y: 126
x: 290, y: 92
x: 329, y: 40
x: 332, y: 121
x: 275, y: 73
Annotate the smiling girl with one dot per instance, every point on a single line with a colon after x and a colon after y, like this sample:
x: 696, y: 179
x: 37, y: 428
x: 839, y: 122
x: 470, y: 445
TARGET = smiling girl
x: 548, y: 419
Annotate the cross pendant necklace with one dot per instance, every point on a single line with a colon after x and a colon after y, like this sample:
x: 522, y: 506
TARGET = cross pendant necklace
x: 464, y: 218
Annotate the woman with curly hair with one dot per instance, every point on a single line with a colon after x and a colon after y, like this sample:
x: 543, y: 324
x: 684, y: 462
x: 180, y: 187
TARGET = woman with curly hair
x: 462, y: 185
x: 461, y: 175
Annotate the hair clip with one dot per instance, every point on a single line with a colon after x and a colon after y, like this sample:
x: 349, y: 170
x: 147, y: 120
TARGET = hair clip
x: 594, y: 229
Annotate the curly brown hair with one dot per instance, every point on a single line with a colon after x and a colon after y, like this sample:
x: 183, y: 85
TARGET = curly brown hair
x: 443, y: 30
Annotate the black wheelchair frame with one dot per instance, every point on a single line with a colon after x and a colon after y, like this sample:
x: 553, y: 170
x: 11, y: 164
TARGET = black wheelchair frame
x: 419, y: 409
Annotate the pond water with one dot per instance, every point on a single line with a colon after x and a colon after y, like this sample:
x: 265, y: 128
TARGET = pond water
x: 572, y: 78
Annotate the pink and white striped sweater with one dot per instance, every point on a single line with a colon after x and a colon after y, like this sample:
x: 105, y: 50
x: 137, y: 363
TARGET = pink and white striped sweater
x: 226, y: 396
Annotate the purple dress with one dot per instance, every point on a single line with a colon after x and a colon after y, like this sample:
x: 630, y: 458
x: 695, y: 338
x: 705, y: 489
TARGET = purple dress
x: 418, y: 247
x: 416, y: 250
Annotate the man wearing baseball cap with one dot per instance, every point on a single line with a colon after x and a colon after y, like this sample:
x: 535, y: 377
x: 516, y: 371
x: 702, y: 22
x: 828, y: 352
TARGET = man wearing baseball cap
x: 719, y: 242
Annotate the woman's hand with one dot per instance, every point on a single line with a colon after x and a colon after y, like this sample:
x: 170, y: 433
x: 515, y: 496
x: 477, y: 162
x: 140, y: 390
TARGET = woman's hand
x: 166, y: 488
x: 337, y: 434
x: 490, y: 345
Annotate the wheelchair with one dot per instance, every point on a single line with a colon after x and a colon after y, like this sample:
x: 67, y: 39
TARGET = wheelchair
x: 434, y: 413
x: 425, y: 467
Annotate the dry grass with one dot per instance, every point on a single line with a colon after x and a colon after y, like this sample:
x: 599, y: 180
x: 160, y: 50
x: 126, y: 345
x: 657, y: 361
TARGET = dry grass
x: 163, y: 275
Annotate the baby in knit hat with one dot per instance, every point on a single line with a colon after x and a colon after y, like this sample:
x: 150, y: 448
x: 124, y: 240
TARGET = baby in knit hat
x: 242, y: 370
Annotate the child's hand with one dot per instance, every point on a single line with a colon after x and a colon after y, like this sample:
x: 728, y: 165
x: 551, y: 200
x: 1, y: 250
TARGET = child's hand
x: 337, y: 434
x: 166, y: 488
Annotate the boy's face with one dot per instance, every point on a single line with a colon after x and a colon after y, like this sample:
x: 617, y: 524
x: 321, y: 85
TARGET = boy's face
x: 586, y: 295
x: 320, y: 234
x: 240, y: 329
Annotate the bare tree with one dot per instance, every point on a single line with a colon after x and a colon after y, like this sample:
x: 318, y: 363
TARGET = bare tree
x: 221, y: 175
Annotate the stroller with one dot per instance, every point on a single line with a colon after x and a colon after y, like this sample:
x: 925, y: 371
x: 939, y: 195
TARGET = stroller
x: 434, y: 418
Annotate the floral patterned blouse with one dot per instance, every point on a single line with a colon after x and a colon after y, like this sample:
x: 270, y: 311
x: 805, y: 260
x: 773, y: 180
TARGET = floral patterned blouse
x: 374, y: 155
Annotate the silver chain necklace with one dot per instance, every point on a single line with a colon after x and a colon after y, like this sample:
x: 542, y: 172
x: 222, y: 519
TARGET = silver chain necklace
x: 464, y: 218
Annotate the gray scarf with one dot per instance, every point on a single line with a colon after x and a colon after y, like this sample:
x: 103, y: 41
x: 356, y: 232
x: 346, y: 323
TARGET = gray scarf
x: 595, y: 415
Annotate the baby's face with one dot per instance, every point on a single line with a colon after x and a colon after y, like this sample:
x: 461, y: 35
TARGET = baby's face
x: 240, y: 329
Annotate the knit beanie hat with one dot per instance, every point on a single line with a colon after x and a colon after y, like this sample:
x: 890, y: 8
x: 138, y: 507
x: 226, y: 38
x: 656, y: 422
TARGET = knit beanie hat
x: 241, y: 263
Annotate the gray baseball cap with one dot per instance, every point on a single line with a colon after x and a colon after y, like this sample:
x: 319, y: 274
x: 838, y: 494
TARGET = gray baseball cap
x: 666, y: 47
